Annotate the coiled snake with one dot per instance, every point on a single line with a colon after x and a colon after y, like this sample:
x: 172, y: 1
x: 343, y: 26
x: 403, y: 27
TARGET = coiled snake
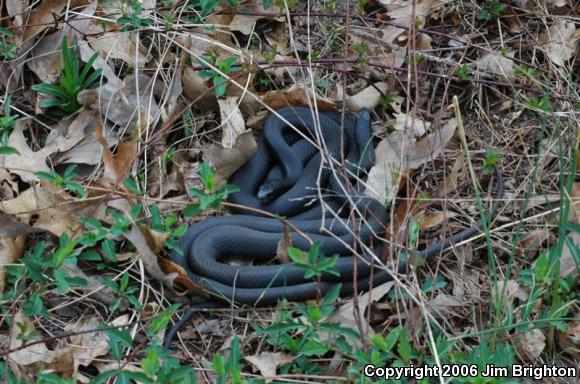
x: 290, y: 177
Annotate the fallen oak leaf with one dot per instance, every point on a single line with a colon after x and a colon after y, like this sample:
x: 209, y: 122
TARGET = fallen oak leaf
x: 227, y: 161
x: 36, y: 353
x: 116, y: 167
x: 51, y: 207
x: 68, y: 133
x: 395, y: 154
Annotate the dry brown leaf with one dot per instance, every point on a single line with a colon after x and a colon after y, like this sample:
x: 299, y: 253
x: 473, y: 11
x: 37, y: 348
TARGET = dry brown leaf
x: 227, y: 161
x: 36, y: 353
x: 560, y: 41
x: 431, y: 220
x: 395, y: 154
x: 88, y: 150
x: 496, y: 64
x: 12, y: 227
x: 246, y: 23
x: 296, y: 96
x: 46, y: 58
x: 569, y: 340
x: 53, y: 208
x: 232, y: 121
x: 140, y: 242
x: 155, y: 240
x: 196, y: 88
x: 85, y: 347
x: 367, y: 98
x: 344, y: 315
x: 567, y: 264
x: 117, y: 45
x: 42, y: 17
x: 401, y: 13
x: 405, y: 122
x: 531, y: 344
x: 11, y: 249
x: 177, y: 279
x: 283, y: 245
x: 116, y: 167
x: 443, y: 303
x: 95, y: 287
x: 509, y: 291
x: 268, y: 362
x: 29, y: 162
x: 15, y: 9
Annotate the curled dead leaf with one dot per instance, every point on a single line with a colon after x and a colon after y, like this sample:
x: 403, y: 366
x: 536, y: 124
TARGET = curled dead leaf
x: 531, y: 344
x: 497, y: 64
x: 232, y: 121
x: 227, y: 161
x: 560, y: 41
x: 395, y: 154
x: 268, y: 362
x: 367, y: 98
x: 296, y: 96
x: 22, y: 328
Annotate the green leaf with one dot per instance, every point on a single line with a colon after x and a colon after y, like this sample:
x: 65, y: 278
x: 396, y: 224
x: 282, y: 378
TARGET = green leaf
x: 208, y: 176
x: 130, y: 183
x: 119, y: 339
x: 220, y: 84
x: 298, y: 256
x: 313, y: 347
x: 404, y: 347
x: 159, y: 323
x: 191, y: 210
x: 33, y: 305
x: 432, y: 285
x: 108, y: 247
x: 5, y: 150
x: 51, y: 89
x: 332, y: 295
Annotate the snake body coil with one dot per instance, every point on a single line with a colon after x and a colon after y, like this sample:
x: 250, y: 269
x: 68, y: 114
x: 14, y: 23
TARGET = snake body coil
x: 289, y: 176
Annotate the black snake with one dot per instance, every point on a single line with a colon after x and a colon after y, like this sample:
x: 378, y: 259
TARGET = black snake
x: 290, y: 177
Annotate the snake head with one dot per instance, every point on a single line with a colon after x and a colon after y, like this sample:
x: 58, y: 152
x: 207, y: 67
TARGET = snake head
x: 269, y: 190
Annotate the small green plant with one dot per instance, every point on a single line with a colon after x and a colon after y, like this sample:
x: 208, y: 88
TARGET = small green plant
x: 386, y: 100
x: 8, y: 49
x: 463, y: 73
x: 270, y: 56
x: 74, y: 79
x: 490, y: 160
x: 65, y: 181
x: 313, y: 262
x: 167, y: 225
x: 541, y: 104
x: 124, y: 291
x: 6, y: 125
x: 131, y: 18
x: 40, y: 271
x: 361, y: 50
x: 228, y: 370
x: 491, y: 11
x: 307, y: 335
x: 224, y: 66
x: 526, y: 71
x: 212, y: 196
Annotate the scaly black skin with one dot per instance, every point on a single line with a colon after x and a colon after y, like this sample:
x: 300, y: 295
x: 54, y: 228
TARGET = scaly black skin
x: 280, y: 178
